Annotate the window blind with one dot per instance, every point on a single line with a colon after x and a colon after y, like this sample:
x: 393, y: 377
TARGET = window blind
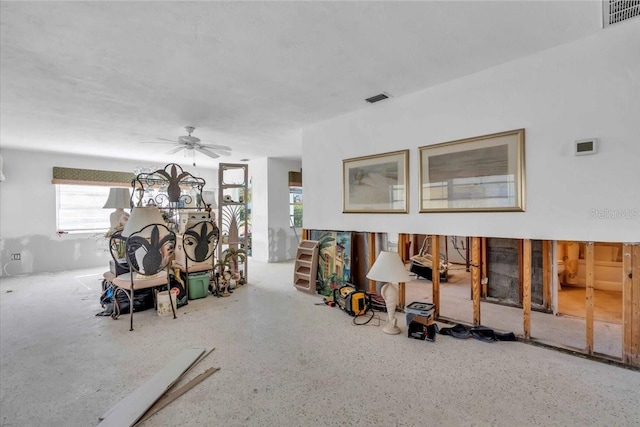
x: 76, y: 176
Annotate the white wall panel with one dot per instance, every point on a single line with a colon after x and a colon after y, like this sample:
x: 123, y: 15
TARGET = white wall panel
x: 589, y: 88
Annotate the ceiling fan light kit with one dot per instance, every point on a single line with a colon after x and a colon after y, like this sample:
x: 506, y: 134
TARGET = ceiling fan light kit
x: 189, y: 142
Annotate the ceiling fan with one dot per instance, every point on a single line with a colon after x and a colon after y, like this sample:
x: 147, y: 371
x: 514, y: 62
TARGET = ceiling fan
x: 193, y: 144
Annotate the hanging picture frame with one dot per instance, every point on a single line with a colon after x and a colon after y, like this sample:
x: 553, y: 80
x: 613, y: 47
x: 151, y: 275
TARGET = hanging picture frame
x: 484, y: 173
x: 377, y: 183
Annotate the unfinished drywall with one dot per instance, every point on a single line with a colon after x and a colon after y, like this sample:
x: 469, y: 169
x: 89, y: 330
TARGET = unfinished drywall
x: 28, y: 213
x: 585, y: 89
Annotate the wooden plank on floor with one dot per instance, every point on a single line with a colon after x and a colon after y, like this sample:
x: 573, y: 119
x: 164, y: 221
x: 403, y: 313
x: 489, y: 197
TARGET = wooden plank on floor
x: 589, y: 295
x: 170, y: 397
x: 627, y: 303
x: 475, y: 279
x: 435, y: 273
x: 131, y: 408
x: 526, y: 287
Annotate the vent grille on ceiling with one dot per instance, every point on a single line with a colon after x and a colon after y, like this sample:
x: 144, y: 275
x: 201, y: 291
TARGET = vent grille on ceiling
x: 377, y: 98
x: 614, y: 11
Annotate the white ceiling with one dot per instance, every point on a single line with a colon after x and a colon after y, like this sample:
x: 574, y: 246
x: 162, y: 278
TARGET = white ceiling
x: 98, y: 78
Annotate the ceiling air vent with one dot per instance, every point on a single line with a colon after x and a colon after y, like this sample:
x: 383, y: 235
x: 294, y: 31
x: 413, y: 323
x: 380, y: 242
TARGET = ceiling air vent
x: 379, y: 97
x: 614, y: 11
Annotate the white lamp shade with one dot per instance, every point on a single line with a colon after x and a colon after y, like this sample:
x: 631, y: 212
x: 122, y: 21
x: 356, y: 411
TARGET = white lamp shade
x: 141, y: 217
x: 118, y: 199
x: 388, y: 268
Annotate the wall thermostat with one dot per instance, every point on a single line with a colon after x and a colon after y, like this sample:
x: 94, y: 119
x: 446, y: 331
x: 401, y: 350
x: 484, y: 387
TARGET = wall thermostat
x: 586, y: 146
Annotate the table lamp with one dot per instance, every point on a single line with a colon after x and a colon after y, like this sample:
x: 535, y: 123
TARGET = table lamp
x: 141, y: 217
x: 390, y: 269
x: 118, y: 200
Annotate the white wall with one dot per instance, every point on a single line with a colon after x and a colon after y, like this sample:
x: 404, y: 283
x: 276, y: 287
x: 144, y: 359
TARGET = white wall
x: 28, y: 212
x: 258, y: 171
x: 282, y: 239
x: 589, y: 88
x: 273, y: 239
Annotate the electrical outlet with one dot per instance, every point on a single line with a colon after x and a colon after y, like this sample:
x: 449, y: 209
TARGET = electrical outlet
x: 15, y: 257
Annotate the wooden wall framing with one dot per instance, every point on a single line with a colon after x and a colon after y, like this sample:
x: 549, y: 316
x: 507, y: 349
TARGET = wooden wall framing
x: 631, y: 304
x: 475, y: 279
x: 477, y: 262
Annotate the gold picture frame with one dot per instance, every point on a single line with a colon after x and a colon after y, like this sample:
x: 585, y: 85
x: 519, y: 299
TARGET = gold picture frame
x: 376, y: 184
x: 480, y: 174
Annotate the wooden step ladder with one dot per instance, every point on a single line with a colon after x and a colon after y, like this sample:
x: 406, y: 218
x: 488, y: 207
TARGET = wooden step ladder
x: 306, y: 266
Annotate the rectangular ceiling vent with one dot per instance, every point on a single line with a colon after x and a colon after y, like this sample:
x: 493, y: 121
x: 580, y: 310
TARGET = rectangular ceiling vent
x: 614, y: 11
x: 377, y: 98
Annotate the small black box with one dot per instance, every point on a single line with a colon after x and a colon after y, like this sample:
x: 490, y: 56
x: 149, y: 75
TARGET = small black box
x: 118, y: 268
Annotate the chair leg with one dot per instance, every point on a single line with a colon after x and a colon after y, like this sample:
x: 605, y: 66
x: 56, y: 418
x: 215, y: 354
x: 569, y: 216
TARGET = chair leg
x: 131, y: 306
x: 131, y: 311
x: 173, y: 309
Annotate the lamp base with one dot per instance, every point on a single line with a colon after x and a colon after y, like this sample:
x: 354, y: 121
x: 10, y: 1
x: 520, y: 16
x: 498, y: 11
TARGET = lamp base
x: 117, y: 218
x: 391, y: 329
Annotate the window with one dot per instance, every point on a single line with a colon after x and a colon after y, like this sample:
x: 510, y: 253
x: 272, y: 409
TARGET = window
x: 295, y: 207
x: 79, y: 208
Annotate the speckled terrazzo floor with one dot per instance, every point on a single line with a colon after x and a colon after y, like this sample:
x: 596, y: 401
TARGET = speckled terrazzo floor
x: 284, y: 362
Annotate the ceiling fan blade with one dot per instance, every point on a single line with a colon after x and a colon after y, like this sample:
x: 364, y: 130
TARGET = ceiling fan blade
x: 217, y: 147
x: 207, y: 152
x: 175, y: 150
x: 158, y: 142
x: 168, y: 140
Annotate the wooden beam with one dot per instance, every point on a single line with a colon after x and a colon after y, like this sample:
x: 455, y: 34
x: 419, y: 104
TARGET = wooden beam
x: 547, y: 276
x: 627, y: 303
x: 483, y: 251
x: 435, y: 274
x: 403, y: 239
x: 475, y: 279
x: 635, y: 305
x: 589, y: 295
x: 526, y: 287
x: 631, y: 304
x: 402, y: 295
x: 520, y: 270
x: 415, y: 247
x: 371, y: 258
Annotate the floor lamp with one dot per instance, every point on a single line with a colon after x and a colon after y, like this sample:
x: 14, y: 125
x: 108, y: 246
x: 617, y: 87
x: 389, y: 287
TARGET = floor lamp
x: 390, y: 269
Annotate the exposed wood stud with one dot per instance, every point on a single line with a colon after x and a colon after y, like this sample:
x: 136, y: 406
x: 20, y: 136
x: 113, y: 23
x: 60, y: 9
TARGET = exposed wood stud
x: 402, y: 295
x: 403, y: 239
x: 547, y: 276
x: 435, y: 273
x: 520, y: 270
x: 371, y: 258
x: 589, y: 295
x: 635, y: 306
x: 475, y: 279
x: 485, y: 289
x: 526, y: 287
x: 627, y: 303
